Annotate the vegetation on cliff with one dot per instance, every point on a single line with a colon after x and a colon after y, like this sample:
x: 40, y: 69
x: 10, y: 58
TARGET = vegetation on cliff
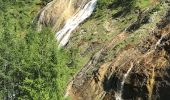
x: 33, y: 68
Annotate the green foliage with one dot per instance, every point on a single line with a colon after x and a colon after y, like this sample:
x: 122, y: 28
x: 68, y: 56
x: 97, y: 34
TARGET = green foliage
x: 122, y: 7
x: 118, y: 8
x: 31, y: 65
x: 102, y: 5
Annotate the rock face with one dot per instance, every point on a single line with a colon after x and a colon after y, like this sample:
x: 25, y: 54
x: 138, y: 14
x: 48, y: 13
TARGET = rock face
x: 56, y: 13
x: 138, y: 72
x: 65, y: 19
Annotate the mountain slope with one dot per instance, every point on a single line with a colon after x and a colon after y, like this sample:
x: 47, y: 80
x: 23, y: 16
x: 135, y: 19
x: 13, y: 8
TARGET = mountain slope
x: 133, y: 44
x: 122, y: 51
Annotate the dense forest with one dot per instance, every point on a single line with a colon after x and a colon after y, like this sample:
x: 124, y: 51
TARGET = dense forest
x: 31, y: 65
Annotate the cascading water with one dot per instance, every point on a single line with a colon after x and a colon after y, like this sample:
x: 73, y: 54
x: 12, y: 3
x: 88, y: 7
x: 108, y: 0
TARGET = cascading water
x: 159, y: 41
x: 63, y: 35
x: 118, y: 96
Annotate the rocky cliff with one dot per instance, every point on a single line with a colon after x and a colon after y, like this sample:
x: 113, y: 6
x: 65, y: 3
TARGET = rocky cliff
x: 123, y: 50
x: 136, y: 71
x: 57, y: 12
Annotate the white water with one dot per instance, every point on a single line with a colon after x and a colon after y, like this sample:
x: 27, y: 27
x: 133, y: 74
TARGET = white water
x: 159, y: 41
x: 118, y: 96
x: 63, y: 35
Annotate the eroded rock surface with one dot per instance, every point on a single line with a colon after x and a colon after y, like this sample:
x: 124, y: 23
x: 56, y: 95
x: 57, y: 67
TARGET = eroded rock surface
x: 149, y: 78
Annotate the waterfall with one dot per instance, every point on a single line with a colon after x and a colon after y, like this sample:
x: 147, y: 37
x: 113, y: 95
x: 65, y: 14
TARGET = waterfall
x: 159, y: 41
x: 63, y: 35
x: 118, y: 96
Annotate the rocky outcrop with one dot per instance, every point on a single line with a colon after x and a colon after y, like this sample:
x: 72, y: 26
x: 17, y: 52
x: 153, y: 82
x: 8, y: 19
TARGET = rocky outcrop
x: 65, y: 16
x: 148, y: 79
x: 57, y: 12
